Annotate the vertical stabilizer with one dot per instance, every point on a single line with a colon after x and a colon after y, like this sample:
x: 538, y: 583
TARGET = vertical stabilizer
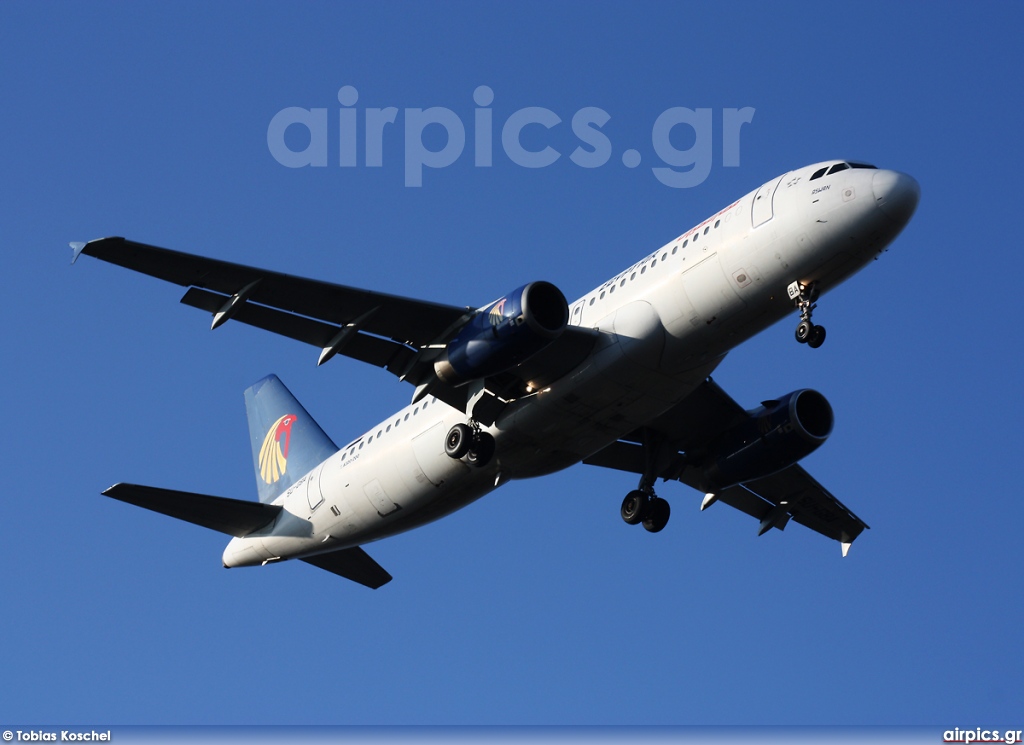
x: 286, y: 442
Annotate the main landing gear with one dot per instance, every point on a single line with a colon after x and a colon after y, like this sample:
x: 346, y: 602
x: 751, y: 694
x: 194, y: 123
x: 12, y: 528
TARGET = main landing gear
x: 470, y: 442
x: 642, y: 505
x: 647, y: 508
x: 805, y: 296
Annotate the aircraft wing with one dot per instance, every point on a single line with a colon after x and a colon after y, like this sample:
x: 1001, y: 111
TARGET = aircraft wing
x: 401, y: 335
x: 696, y: 422
x: 305, y: 309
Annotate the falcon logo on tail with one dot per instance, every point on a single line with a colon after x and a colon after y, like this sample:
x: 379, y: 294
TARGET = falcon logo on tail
x: 274, y: 453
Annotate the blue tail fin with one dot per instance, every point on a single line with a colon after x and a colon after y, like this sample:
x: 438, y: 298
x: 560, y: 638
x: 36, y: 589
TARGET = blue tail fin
x: 286, y: 442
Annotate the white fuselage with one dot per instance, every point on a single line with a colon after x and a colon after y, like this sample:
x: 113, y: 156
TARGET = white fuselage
x: 664, y: 324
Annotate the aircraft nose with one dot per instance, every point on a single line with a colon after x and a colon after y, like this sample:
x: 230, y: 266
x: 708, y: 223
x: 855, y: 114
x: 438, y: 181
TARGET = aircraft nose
x: 896, y: 194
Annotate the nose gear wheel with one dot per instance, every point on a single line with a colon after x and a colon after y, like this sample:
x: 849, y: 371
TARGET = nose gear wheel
x: 806, y: 331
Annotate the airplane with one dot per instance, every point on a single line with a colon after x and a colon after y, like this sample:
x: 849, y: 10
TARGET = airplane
x: 531, y: 384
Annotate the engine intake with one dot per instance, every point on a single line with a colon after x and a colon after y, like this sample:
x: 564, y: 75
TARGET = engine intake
x: 778, y: 434
x: 504, y: 334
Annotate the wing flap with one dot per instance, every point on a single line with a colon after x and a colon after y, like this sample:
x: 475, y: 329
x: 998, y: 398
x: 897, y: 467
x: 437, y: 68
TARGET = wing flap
x: 374, y: 350
x: 810, y: 503
x: 234, y: 517
x: 622, y: 456
x: 745, y: 501
x: 353, y: 564
x: 408, y: 321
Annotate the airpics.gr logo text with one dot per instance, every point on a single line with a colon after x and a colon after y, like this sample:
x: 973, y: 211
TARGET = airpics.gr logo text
x: 274, y: 452
x: 1008, y: 737
x: 679, y: 169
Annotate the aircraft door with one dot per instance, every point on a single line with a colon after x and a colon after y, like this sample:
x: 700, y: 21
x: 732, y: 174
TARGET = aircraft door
x: 761, y: 211
x: 313, y: 493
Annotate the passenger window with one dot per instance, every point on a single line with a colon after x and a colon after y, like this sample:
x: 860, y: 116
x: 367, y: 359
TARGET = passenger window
x: 819, y: 173
x: 707, y: 229
x: 674, y: 249
x: 717, y: 223
x: 632, y: 276
x: 685, y: 242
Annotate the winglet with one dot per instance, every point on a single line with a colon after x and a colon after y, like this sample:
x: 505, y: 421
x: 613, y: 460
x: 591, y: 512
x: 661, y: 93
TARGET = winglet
x: 76, y: 250
x: 846, y: 547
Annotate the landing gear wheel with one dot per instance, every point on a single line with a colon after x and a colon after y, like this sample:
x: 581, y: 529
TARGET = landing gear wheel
x: 458, y: 441
x: 634, y: 507
x: 481, y: 451
x: 817, y: 337
x: 658, y: 513
x: 804, y: 296
x: 804, y: 331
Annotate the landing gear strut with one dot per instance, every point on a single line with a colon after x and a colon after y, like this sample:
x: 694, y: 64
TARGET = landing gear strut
x: 470, y: 442
x: 804, y: 296
x: 642, y: 505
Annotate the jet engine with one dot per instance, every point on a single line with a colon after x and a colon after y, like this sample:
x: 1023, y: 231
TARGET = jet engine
x: 509, y: 331
x: 778, y: 434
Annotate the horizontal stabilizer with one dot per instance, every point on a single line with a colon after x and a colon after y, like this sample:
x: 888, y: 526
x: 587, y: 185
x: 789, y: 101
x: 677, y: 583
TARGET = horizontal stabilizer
x: 354, y: 564
x: 232, y: 516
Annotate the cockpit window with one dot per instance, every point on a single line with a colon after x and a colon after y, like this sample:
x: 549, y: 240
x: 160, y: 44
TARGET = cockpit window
x: 819, y: 173
x: 862, y: 165
x: 837, y: 168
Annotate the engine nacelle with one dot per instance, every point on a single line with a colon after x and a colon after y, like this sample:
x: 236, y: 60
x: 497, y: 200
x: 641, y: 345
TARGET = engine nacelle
x: 778, y: 435
x: 510, y: 331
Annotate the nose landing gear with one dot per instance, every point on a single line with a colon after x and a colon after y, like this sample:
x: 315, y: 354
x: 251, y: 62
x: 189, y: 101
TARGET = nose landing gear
x: 804, y: 296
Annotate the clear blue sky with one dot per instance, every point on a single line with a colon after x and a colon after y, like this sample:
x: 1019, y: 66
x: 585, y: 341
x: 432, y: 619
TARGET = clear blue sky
x: 536, y: 604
